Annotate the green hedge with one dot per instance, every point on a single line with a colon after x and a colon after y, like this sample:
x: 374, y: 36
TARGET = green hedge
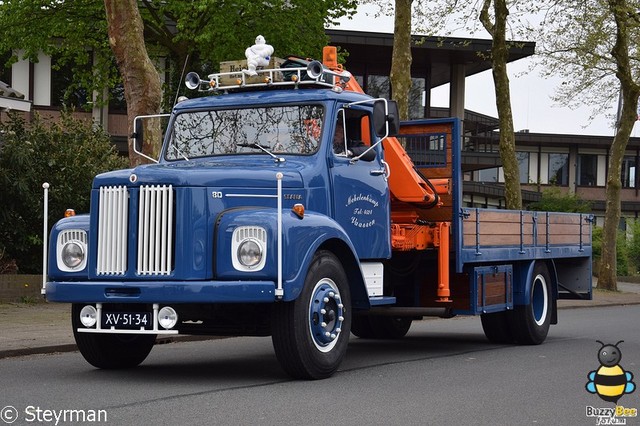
x: 66, y: 154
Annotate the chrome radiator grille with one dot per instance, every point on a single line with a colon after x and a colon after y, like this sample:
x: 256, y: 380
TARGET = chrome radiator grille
x: 112, y: 230
x: 155, y: 230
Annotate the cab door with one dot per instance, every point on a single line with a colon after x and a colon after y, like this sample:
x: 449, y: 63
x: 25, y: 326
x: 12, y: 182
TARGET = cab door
x: 360, y: 190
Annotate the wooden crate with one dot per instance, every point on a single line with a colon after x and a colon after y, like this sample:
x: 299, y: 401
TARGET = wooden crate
x: 238, y: 66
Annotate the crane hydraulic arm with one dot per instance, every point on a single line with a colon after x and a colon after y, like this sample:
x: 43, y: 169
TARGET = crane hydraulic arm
x: 412, y: 196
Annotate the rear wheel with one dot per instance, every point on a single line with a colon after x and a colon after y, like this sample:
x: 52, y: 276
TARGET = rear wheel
x: 530, y: 322
x: 310, y: 334
x: 496, y: 327
x: 110, y: 351
x: 380, y: 327
x: 361, y: 327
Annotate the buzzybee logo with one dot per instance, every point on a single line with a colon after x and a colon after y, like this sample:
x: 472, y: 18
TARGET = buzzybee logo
x: 610, y: 382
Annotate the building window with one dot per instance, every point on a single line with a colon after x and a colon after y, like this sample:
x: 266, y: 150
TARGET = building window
x: 523, y: 164
x: 587, y: 169
x: 378, y: 86
x: 416, y: 98
x: 629, y: 172
x: 64, y: 90
x: 488, y: 175
x: 559, y: 169
x: 117, y: 102
x: 5, y: 71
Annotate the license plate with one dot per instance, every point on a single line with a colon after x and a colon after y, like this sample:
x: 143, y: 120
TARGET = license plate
x: 127, y: 320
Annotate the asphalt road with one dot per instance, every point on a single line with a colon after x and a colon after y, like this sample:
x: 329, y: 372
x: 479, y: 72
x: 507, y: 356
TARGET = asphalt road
x: 443, y: 372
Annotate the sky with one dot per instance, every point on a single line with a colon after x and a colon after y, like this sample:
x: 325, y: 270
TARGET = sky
x: 531, y: 102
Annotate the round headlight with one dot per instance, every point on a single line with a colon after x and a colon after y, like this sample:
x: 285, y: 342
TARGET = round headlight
x: 249, y: 253
x: 72, y: 254
x: 167, y: 317
x: 88, y: 316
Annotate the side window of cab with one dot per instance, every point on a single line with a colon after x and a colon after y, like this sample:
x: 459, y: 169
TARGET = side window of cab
x: 352, y: 136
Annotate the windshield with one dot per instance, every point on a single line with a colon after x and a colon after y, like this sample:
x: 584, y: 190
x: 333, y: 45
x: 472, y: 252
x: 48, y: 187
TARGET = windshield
x: 293, y: 129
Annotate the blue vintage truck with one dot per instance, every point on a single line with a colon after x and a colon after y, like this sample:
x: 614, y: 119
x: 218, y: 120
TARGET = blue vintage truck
x: 257, y: 220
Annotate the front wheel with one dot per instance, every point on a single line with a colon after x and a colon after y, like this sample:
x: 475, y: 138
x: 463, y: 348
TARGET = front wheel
x: 110, y: 351
x: 310, y: 334
x: 530, y: 322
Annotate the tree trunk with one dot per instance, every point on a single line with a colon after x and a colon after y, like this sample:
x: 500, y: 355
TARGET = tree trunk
x: 499, y: 56
x: 630, y: 91
x: 401, y: 59
x: 142, y: 88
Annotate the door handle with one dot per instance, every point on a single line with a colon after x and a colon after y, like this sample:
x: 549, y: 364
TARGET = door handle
x: 386, y: 171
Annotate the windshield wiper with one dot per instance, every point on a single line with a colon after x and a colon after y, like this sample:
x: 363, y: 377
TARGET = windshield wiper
x: 179, y: 151
x: 263, y: 149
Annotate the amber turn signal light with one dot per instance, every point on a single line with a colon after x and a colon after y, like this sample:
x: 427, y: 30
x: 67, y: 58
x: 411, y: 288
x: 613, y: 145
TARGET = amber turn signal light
x: 298, y: 209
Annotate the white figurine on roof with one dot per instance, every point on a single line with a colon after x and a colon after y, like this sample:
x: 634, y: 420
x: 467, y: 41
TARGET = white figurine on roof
x: 258, y: 55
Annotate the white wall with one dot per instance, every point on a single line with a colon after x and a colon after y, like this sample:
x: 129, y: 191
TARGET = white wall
x: 20, y: 76
x: 42, y: 81
x: 602, y: 170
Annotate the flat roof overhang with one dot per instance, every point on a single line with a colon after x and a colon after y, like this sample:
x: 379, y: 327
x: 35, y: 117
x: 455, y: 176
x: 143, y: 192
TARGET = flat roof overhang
x: 370, y: 53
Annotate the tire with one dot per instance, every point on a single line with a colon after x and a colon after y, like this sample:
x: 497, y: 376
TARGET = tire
x: 496, y: 327
x: 310, y: 334
x: 361, y: 327
x: 110, y: 351
x: 530, y: 322
x: 390, y: 327
x: 380, y: 327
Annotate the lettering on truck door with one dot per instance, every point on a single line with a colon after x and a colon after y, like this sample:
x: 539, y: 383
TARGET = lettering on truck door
x: 360, y: 189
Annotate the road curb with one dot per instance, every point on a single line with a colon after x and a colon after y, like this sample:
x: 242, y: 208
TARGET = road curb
x: 71, y: 347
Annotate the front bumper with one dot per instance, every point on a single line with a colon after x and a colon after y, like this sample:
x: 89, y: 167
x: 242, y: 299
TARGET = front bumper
x: 161, y: 292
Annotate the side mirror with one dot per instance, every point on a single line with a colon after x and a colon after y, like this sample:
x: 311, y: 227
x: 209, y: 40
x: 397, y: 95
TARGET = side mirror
x: 393, y: 118
x: 381, y: 118
x: 138, y: 135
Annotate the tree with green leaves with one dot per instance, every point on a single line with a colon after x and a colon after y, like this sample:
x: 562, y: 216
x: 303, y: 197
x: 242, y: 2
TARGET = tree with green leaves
x: 593, y: 45
x: 197, y: 34
x: 553, y: 200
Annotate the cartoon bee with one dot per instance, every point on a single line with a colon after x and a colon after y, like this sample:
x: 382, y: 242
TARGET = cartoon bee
x: 610, y: 381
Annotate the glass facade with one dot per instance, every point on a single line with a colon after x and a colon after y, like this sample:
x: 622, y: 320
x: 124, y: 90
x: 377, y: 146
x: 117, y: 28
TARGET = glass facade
x: 488, y: 175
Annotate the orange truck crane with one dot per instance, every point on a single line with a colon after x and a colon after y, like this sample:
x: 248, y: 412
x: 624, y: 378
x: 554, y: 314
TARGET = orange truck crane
x: 413, y: 196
